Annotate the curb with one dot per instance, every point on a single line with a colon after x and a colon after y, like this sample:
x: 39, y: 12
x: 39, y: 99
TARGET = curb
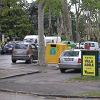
x: 21, y: 74
x: 50, y: 95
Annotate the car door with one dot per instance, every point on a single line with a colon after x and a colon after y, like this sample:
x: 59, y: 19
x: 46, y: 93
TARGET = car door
x: 35, y: 51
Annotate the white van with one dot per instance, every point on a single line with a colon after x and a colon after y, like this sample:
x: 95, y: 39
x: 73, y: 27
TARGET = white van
x: 53, y: 39
x: 47, y: 39
x: 31, y: 38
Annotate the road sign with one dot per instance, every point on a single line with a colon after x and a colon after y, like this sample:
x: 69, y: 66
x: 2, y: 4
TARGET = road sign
x: 89, y: 63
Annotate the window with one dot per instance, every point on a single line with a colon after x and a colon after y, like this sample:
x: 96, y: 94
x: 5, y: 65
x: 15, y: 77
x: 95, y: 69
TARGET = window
x: 21, y: 46
x: 33, y: 47
x: 71, y: 53
x: 92, y: 44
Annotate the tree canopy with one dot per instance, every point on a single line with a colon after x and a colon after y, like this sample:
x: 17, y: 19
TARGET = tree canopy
x: 15, y: 18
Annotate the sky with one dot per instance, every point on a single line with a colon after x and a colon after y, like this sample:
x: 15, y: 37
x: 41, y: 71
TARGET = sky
x: 30, y: 1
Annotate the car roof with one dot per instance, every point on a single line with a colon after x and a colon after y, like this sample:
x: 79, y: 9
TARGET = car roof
x: 90, y: 42
x: 22, y: 42
x: 74, y: 50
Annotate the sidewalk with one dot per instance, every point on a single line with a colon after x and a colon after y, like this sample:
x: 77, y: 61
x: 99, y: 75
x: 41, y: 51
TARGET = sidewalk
x: 14, y: 72
x: 44, y: 84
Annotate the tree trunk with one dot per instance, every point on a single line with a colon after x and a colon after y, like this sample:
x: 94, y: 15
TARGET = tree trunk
x: 41, y: 51
x: 59, y: 30
x: 78, y: 12
x: 50, y: 25
x: 66, y: 20
x: 77, y: 29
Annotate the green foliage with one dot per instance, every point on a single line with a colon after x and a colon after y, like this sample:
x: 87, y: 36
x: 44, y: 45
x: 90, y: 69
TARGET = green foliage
x: 81, y: 25
x: 52, y: 9
x: 86, y: 78
x: 14, y: 19
x: 63, y: 38
x: 91, y: 4
x: 91, y: 93
x: 55, y: 6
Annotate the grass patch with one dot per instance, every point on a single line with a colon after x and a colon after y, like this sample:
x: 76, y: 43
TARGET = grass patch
x: 92, y: 93
x: 86, y: 78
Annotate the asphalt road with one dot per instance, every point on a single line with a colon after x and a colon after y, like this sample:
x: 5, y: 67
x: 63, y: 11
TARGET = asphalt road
x: 19, y: 96
x: 51, y: 83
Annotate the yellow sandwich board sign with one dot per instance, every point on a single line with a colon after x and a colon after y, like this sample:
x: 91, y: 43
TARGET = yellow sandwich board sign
x: 90, y: 63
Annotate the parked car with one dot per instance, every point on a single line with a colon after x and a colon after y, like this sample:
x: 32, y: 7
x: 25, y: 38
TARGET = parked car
x: 32, y: 39
x: 52, y: 39
x: 92, y: 45
x: 70, y: 59
x: 7, y: 48
x: 99, y: 59
x: 24, y: 51
x: 80, y: 45
x: 0, y: 49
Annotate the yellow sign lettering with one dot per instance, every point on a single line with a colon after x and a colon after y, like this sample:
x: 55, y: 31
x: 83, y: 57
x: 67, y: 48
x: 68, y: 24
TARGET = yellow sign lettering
x: 88, y: 65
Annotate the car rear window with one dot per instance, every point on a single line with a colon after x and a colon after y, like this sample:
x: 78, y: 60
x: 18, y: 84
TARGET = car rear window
x: 71, y: 53
x: 9, y: 45
x: 92, y: 45
x: 21, y: 46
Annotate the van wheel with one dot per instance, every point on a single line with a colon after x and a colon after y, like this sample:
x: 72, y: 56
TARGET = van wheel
x: 62, y: 70
x: 13, y: 61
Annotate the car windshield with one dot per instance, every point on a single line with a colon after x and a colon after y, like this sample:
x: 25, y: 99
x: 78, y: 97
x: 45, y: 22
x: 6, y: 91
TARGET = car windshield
x: 21, y: 46
x: 9, y: 45
x: 82, y: 43
x: 71, y: 53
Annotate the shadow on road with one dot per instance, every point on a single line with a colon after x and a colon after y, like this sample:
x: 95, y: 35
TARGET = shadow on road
x: 73, y: 71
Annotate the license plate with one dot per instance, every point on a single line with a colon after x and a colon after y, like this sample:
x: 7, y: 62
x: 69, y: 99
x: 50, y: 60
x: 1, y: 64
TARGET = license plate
x: 19, y: 52
x: 68, y: 59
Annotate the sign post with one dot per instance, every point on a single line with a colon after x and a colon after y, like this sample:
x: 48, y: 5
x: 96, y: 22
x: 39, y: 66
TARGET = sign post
x: 89, y: 63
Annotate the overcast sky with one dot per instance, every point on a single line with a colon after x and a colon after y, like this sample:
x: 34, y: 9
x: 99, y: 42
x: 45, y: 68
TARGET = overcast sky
x: 30, y: 1
x: 72, y: 9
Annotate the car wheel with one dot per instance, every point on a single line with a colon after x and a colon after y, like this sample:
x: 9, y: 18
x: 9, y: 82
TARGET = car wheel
x: 2, y: 52
x: 62, y: 70
x: 13, y: 61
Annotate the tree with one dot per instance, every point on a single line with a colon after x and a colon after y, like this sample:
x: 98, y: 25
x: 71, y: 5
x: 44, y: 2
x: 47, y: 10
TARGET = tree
x: 41, y: 51
x: 91, y: 10
x: 14, y: 18
x: 78, y: 9
x: 33, y: 15
x: 52, y: 9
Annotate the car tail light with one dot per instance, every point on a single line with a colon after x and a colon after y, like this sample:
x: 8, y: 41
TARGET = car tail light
x: 79, y: 60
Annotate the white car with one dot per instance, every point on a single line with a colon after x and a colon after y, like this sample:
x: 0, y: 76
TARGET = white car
x: 70, y: 59
x: 93, y: 45
x: 80, y: 45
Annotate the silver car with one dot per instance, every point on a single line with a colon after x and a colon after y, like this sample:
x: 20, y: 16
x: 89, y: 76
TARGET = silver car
x: 70, y: 59
x: 0, y: 49
x: 24, y: 51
